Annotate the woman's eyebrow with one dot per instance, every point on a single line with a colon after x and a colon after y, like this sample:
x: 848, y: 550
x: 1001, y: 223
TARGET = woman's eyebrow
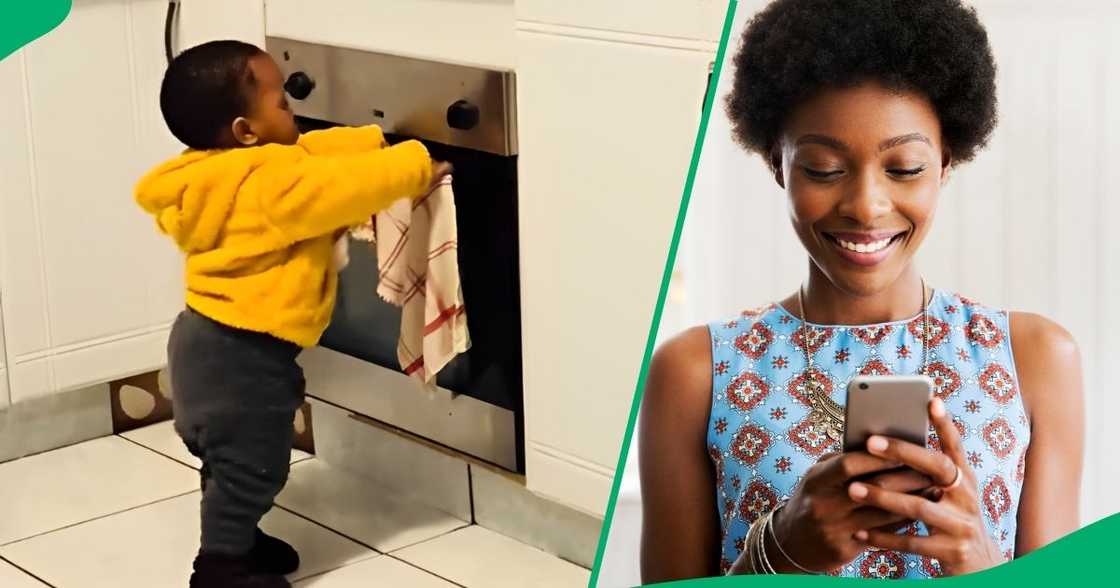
x: 841, y: 146
x: 822, y: 140
x: 903, y: 139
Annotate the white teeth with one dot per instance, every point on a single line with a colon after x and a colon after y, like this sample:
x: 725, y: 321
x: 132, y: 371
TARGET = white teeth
x: 864, y: 247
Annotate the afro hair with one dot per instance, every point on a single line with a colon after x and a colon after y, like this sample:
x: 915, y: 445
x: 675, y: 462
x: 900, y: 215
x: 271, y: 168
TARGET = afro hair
x: 205, y: 89
x: 794, y: 49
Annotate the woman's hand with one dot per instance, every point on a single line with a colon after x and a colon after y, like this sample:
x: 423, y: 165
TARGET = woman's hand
x: 958, y: 537
x: 817, y: 526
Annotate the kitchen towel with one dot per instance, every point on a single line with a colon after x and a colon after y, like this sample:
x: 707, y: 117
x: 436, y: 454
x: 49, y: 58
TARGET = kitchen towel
x: 418, y: 268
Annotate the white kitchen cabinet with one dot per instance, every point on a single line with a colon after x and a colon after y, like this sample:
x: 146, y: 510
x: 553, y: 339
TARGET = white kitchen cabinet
x: 606, y: 131
x: 684, y: 19
x: 90, y: 287
x: 461, y: 31
x: 206, y: 20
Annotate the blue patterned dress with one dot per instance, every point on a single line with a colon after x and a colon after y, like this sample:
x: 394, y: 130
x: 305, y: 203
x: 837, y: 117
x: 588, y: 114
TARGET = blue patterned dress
x: 761, y: 440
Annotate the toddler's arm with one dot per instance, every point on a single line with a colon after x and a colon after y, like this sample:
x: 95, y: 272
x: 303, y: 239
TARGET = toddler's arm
x: 316, y: 195
x: 343, y: 140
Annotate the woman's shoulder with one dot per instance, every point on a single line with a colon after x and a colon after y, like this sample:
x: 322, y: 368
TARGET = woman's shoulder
x: 1048, y: 363
x: 686, y: 355
x: 682, y: 369
x: 1039, y: 339
x: 679, y: 379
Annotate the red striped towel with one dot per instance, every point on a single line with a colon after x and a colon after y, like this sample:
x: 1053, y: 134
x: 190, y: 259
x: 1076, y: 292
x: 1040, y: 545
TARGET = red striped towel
x: 417, y: 257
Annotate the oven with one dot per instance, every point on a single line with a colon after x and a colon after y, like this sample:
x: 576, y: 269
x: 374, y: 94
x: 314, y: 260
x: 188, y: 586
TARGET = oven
x: 465, y: 115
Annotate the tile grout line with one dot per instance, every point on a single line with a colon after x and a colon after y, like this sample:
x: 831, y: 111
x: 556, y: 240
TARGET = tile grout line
x: 155, y: 451
x: 430, y: 572
x: 25, y: 570
x: 97, y: 518
x: 332, y: 530
x: 466, y: 525
x: 470, y: 493
x: 375, y: 555
x: 375, y: 550
x: 363, y: 543
x: 183, y: 463
x: 393, y: 554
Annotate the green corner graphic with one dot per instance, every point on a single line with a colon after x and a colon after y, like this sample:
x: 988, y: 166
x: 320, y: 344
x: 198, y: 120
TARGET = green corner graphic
x: 27, y: 20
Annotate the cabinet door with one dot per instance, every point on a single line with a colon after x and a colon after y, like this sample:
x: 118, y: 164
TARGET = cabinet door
x: 687, y: 19
x: 207, y: 20
x: 606, y: 133
x: 90, y: 286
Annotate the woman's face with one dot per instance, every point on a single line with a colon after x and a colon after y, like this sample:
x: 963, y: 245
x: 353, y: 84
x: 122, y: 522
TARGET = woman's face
x: 862, y: 167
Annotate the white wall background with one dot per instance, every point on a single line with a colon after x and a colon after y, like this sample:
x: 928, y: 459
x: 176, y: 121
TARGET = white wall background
x: 1026, y: 226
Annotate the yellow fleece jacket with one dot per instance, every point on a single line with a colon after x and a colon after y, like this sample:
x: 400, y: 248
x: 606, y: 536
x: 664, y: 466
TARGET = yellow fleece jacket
x: 258, y: 224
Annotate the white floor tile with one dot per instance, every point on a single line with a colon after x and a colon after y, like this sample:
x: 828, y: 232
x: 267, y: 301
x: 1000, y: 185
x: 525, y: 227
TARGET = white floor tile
x: 153, y: 546
x: 358, y: 508
x: 477, y: 557
x: 13, y: 577
x: 379, y: 571
x: 162, y: 438
x: 74, y: 484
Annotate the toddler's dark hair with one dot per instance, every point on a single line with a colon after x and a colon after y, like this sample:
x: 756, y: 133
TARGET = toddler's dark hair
x: 796, y: 48
x: 205, y: 88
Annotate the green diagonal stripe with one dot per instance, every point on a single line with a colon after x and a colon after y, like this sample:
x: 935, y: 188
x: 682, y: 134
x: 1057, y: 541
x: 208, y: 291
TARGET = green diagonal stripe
x: 25, y: 21
x: 652, y: 338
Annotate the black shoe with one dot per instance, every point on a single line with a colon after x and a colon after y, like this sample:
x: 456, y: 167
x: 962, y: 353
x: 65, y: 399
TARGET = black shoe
x: 272, y: 555
x: 212, y: 570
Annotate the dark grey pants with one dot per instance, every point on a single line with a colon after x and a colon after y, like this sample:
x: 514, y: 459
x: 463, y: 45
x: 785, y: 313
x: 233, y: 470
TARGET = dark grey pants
x: 235, y: 394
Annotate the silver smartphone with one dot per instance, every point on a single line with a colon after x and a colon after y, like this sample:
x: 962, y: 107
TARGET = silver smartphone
x: 893, y: 406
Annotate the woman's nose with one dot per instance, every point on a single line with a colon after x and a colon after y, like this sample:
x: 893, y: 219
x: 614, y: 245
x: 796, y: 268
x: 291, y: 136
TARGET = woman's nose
x: 866, y: 199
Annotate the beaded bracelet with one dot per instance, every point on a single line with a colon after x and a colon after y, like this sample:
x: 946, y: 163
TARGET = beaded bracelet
x: 755, y: 547
x: 751, y: 547
x: 774, y: 536
x: 767, y: 568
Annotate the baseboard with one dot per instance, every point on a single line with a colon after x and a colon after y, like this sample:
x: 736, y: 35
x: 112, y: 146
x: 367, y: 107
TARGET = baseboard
x: 568, y: 479
x: 503, y: 504
x: 42, y: 424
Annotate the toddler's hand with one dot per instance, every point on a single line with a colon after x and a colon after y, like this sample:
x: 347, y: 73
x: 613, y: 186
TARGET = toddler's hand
x: 440, y: 170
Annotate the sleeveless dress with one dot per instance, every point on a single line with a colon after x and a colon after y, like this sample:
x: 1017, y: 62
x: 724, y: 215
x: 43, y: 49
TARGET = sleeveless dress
x: 761, y: 441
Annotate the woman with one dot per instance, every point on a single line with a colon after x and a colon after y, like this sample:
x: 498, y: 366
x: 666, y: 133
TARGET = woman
x: 862, y: 109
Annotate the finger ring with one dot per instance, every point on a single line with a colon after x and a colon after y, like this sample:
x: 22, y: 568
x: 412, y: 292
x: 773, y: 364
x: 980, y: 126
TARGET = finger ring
x: 956, y: 480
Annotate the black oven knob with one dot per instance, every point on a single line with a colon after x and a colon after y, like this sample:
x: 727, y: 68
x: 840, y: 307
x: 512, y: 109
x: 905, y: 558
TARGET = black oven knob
x: 462, y: 115
x: 299, y: 85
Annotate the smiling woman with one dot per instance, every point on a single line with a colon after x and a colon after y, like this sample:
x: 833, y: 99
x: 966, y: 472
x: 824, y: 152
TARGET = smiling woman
x: 862, y: 110
x: 863, y: 166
